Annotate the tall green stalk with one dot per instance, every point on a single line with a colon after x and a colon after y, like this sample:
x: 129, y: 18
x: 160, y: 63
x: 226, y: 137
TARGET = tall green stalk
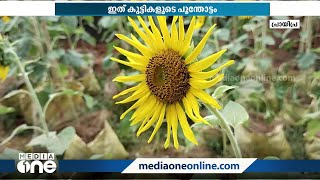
x: 33, y: 95
x: 224, y: 125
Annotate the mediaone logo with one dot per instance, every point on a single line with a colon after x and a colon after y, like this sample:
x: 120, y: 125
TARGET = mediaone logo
x: 42, y: 162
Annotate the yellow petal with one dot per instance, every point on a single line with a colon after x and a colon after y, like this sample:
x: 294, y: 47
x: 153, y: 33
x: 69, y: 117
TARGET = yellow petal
x: 143, y: 115
x: 134, y: 56
x: 133, y: 65
x: 156, y: 33
x: 141, y: 48
x: 4, y: 70
x: 149, y: 33
x: 142, y: 124
x: 188, y: 37
x: 145, y: 27
x: 155, y: 116
x: 167, y: 142
x: 174, y: 34
x: 159, y: 123
x: 195, y: 108
x: 143, y: 36
x: 148, y: 108
x: 203, y: 96
x: 206, y: 62
x: 185, y: 125
x: 199, y: 47
x: 133, y: 78
x: 174, y: 124
x: 135, y: 39
x: 136, y: 95
x: 124, y: 92
x: 188, y: 109
x: 135, y: 105
x: 181, y: 29
x: 200, y: 22
x: 5, y: 19
x: 204, y: 84
x: 146, y: 119
x: 209, y: 74
x: 164, y: 30
x: 139, y: 110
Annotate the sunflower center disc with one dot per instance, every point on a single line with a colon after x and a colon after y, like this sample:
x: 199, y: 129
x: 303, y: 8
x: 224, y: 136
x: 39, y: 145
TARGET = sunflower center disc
x: 168, y: 76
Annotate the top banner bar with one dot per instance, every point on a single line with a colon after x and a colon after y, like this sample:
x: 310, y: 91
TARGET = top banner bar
x: 190, y: 8
x: 164, y: 9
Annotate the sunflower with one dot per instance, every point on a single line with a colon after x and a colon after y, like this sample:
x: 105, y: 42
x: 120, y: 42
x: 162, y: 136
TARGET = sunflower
x: 5, y: 19
x: 4, y: 65
x: 4, y: 70
x: 170, y: 79
x: 245, y: 17
x: 200, y: 22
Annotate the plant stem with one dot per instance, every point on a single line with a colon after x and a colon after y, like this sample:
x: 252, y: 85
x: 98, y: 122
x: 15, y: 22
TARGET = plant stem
x: 264, y: 33
x: 32, y: 94
x: 55, y: 68
x: 20, y: 128
x: 309, y: 34
x: 224, y: 125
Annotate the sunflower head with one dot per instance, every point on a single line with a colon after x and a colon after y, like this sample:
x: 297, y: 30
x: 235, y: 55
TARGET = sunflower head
x: 170, y: 80
x: 167, y: 76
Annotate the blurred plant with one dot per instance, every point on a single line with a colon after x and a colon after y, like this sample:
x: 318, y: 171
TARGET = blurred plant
x: 62, y: 140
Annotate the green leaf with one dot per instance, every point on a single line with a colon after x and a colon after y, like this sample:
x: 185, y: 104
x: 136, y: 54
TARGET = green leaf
x: 63, y: 70
x: 42, y: 140
x: 55, y: 143
x: 313, y: 128
x: 222, y: 34
x: 107, y: 61
x: 55, y: 54
x: 9, y: 153
x: 316, y: 75
x: 316, y: 50
x: 222, y: 89
x: 306, y: 60
x: 108, y: 21
x: 69, y: 92
x: 5, y: 110
x: 62, y: 141
x: 88, y: 38
x: 264, y: 63
x: 97, y: 156
x: 234, y: 113
x: 271, y: 158
x: 268, y: 40
x: 74, y: 59
x: 90, y: 101
x: 236, y: 48
x: 69, y: 23
x: 250, y: 86
x: 286, y: 44
x: 249, y: 27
